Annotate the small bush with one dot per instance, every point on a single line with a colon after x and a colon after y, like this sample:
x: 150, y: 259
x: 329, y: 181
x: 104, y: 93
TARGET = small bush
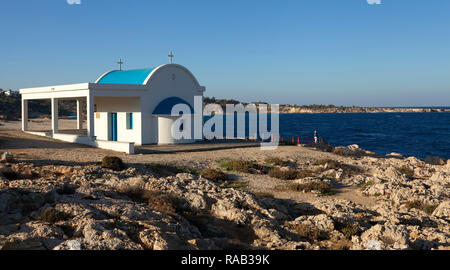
x: 331, y: 163
x: 323, y: 187
x: 161, y: 202
x: 283, y: 174
x: 305, y: 173
x: 413, y: 204
x: 240, y: 166
x: 51, y: 215
x: 113, y: 163
x: 406, y: 171
x: 387, y: 240
x: 276, y: 161
x: 427, y: 208
x: 347, y: 228
x: 308, y: 232
x: 164, y: 170
x: 157, y: 200
x: 214, y: 175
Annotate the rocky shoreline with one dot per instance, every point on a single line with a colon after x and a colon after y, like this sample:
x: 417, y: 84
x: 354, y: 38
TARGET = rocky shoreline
x: 91, y: 207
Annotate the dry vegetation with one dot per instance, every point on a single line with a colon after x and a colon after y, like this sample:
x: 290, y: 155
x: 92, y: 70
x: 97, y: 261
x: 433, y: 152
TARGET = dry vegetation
x: 214, y: 175
x: 308, y: 232
x: 406, y: 171
x: 427, y: 208
x: 164, y: 170
x: 51, y: 215
x: 243, y: 166
x: 276, y: 161
x: 113, y: 163
x: 323, y: 188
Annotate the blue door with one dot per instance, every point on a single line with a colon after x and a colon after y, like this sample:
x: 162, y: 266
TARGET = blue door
x: 113, y: 127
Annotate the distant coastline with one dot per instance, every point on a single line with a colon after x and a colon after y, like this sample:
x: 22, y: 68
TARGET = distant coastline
x: 289, y: 108
x: 299, y: 109
x: 10, y: 108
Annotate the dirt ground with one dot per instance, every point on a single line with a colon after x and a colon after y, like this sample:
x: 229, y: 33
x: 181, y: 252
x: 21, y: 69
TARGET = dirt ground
x: 40, y: 150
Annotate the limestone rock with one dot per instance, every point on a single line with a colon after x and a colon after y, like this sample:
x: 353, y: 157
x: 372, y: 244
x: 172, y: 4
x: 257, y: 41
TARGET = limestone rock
x: 6, y: 157
x: 386, y: 236
x: 69, y: 245
x: 443, y: 210
x: 104, y: 209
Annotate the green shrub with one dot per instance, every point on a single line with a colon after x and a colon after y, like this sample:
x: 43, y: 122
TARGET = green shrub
x: 240, y: 165
x: 113, y: 163
x: 214, y: 175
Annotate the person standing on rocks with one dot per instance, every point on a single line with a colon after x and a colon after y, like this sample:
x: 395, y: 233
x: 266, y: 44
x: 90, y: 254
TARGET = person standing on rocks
x: 316, y: 137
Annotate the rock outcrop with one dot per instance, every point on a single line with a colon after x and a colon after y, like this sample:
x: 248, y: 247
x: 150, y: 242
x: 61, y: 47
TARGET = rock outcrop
x: 89, y: 207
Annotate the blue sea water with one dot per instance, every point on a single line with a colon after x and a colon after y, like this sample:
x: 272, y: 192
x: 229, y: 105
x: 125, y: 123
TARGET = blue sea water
x: 410, y: 134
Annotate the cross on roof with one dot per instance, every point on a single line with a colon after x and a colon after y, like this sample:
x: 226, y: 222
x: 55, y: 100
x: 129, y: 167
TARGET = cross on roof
x: 171, y: 56
x: 120, y: 64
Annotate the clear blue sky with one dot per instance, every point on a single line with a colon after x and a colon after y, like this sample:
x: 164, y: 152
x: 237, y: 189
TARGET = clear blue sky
x: 342, y: 52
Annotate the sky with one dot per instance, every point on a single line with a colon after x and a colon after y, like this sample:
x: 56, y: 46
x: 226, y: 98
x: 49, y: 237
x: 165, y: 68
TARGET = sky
x: 341, y: 52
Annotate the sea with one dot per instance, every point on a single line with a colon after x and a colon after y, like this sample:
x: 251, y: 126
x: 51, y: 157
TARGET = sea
x: 410, y: 134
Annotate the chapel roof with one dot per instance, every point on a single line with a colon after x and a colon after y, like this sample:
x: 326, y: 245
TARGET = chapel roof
x: 133, y: 76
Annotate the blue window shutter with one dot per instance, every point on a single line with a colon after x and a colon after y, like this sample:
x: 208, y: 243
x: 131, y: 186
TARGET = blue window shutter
x: 131, y: 120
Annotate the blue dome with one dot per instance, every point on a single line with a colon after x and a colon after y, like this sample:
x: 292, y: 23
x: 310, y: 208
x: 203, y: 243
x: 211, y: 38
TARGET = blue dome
x: 135, y: 76
x: 165, y: 106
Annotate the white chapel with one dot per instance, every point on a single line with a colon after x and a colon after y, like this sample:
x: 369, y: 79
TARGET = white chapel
x: 124, y: 107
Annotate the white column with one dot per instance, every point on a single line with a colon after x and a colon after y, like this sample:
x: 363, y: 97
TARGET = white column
x: 24, y: 114
x: 79, y: 114
x: 55, y: 115
x: 90, y: 115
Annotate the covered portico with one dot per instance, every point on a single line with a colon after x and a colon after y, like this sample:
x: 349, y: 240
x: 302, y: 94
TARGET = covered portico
x: 85, y: 95
x: 78, y: 92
